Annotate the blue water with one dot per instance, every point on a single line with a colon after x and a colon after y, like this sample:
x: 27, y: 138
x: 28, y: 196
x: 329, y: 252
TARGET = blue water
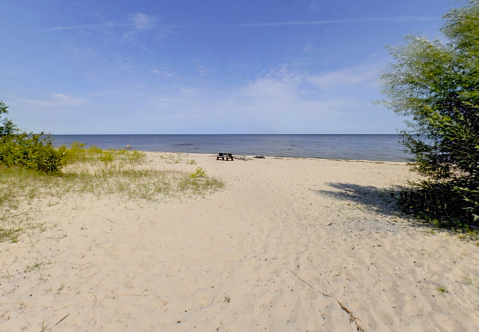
x: 350, y: 147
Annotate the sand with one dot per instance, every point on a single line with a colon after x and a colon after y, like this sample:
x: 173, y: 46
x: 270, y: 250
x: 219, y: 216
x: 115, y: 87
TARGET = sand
x: 287, y: 245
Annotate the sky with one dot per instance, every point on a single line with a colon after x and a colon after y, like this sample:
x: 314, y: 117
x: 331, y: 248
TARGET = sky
x: 205, y: 67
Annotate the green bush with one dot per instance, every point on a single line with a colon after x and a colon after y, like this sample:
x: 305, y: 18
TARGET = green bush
x: 78, y: 153
x: 31, y: 151
x: 199, y: 173
x: 436, y: 203
x: 436, y: 85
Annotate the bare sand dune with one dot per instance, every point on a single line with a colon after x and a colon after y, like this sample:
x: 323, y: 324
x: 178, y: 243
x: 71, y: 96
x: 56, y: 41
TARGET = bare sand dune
x: 287, y: 245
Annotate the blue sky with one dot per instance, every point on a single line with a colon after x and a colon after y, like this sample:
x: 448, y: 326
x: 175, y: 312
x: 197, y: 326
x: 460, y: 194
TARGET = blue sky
x: 204, y: 67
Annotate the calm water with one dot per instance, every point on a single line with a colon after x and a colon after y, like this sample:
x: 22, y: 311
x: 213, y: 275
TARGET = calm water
x: 352, y: 147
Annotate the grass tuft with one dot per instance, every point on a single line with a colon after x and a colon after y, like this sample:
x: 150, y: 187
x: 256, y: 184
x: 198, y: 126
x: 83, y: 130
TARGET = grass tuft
x: 442, y: 290
x: 10, y: 234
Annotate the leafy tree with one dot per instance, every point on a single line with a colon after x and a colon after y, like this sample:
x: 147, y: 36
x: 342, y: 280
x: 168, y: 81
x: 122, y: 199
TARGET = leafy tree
x: 436, y: 85
x: 6, y: 126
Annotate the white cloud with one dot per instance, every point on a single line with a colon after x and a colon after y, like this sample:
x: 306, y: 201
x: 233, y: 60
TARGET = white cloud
x: 280, y: 83
x: 282, y: 93
x: 307, y: 48
x: 283, y: 82
x: 315, y: 4
x: 163, y: 73
x: 202, y: 70
x: 284, y: 100
x: 78, y: 53
x: 57, y: 100
x: 143, y: 21
x: 364, y: 74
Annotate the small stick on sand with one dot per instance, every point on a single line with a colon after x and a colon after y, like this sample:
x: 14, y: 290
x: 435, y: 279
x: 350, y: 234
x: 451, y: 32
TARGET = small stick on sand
x: 351, y: 316
x: 61, y: 320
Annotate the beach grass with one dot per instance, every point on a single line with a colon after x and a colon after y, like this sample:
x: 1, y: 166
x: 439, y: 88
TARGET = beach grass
x: 92, y: 171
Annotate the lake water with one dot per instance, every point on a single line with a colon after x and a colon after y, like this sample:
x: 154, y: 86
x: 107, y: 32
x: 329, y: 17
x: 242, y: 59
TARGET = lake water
x: 350, y: 147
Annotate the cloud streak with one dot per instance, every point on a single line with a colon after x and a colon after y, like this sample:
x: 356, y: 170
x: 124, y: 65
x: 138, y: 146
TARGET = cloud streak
x: 57, y: 100
x: 354, y: 20
x: 88, y: 26
x: 128, y: 30
x: 134, y: 25
x: 137, y: 21
x: 141, y: 21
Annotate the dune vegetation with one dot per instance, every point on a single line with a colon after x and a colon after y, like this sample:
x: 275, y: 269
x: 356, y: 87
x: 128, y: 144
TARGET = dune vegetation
x: 31, y: 168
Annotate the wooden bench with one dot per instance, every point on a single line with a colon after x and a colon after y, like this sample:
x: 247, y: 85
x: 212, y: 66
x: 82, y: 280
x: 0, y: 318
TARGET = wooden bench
x: 223, y: 155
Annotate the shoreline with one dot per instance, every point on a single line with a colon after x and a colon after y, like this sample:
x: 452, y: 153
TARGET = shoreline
x: 287, y: 244
x: 273, y: 157
x: 350, y: 147
x: 252, y: 157
x: 291, y: 157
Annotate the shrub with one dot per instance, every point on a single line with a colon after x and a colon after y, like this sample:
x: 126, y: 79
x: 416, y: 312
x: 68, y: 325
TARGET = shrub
x: 31, y: 151
x: 436, y: 85
x: 199, y: 173
x: 78, y: 153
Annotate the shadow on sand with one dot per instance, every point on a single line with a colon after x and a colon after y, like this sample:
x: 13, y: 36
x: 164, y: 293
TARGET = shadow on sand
x: 381, y: 201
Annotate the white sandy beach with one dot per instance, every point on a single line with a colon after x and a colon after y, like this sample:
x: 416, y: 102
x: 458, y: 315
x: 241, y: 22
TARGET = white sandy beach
x: 287, y: 245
